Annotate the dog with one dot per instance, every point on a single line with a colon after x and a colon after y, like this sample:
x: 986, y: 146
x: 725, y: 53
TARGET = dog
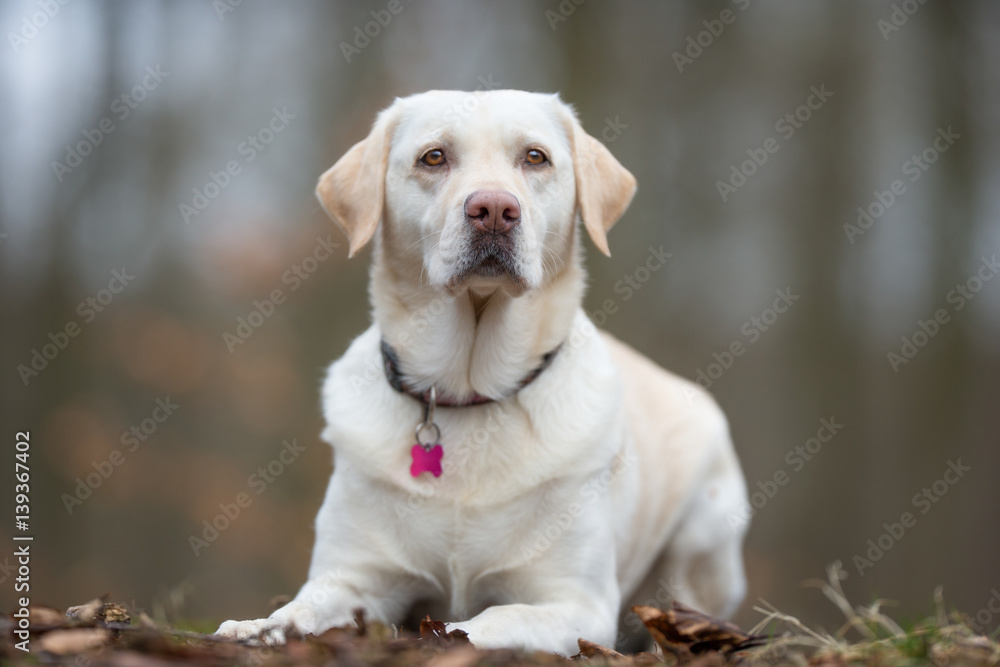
x: 498, y: 461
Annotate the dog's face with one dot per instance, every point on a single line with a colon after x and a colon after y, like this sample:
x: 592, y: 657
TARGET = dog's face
x: 488, y: 194
x: 477, y: 190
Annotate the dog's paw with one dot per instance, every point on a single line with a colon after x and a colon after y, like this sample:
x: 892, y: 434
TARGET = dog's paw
x: 262, y: 632
x: 294, y: 618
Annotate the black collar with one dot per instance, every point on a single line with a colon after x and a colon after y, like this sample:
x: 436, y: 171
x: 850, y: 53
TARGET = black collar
x: 395, y: 377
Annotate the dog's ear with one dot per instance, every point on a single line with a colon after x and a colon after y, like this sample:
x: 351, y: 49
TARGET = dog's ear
x: 353, y: 191
x: 604, y: 188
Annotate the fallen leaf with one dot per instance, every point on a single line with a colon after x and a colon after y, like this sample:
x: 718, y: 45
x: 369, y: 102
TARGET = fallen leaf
x: 85, y: 613
x: 432, y: 629
x: 589, y: 649
x: 463, y: 656
x: 112, y: 612
x: 437, y: 631
x: 135, y: 659
x: 682, y: 630
x: 359, y: 620
x: 75, y: 640
x: 46, y: 617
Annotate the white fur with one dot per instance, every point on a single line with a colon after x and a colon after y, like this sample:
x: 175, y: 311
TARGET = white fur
x: 560, y: 504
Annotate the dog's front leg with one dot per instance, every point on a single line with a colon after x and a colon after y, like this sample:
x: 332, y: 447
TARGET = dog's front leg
x: 562, y: 590
x: 553, y: 627
x: 328, y: 599
x: 324, y: 602
x: 346, y: 574
x: 565, y: 597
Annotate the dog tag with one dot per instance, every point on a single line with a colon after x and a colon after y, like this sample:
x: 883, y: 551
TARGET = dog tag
x: 427, y: 455
x: 426, y: 458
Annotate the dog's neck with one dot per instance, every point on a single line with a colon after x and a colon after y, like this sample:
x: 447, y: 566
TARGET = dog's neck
x: 467, y: 343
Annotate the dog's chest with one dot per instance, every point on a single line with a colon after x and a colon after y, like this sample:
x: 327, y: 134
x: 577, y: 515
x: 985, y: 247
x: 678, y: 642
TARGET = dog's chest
x: 466, y: 549
x: 511, y: 474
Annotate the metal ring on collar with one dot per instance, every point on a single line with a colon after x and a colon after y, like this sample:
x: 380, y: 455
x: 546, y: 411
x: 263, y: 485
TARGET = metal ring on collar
x: 437, y: 434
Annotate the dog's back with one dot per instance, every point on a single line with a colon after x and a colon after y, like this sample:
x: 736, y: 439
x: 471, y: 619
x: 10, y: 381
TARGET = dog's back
x: 686, y: 535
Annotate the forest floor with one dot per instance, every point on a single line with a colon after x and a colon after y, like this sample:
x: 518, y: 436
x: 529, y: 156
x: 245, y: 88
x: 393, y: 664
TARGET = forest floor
x: 105, y: 633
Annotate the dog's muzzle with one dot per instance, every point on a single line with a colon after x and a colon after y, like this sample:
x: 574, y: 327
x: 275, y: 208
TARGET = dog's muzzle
x: 493, y: 220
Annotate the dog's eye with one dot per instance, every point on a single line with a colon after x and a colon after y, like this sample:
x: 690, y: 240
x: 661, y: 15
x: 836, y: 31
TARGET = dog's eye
x: 535, y: 156
x: 433, y: 157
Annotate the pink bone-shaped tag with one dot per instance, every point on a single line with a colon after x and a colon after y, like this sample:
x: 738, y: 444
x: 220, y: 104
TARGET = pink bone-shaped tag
x: 425, y: 460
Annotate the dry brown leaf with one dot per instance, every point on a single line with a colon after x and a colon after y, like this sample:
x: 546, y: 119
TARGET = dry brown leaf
x: 589, y: 649
x: 46, y: 617
x: 359, y: 620
x: 112, y: 612
x: 74, y: 640
x: 136, y: 659
x: 430, y: 629
x: 831, y: 660
x: 436, y: 631
x: 681, y: 630
x: 463, y: 656
x: 302, y: 652
x: 85, y: 613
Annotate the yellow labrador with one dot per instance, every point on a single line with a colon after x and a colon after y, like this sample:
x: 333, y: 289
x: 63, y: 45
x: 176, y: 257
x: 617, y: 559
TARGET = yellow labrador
x: 499, y: 463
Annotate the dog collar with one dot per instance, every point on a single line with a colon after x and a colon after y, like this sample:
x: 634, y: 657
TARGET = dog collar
x: 392, y: 373
x: 426, y: 456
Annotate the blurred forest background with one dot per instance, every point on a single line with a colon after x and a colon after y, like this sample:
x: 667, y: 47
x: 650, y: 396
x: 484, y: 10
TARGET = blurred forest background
x: 679, y: 90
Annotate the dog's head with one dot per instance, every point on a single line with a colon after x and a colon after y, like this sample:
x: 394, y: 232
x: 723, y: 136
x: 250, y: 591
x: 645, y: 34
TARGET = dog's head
x: 477, y: 190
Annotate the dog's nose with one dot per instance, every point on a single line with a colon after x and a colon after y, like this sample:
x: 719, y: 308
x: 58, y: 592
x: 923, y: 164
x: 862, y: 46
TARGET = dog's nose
x: 493, y: 211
